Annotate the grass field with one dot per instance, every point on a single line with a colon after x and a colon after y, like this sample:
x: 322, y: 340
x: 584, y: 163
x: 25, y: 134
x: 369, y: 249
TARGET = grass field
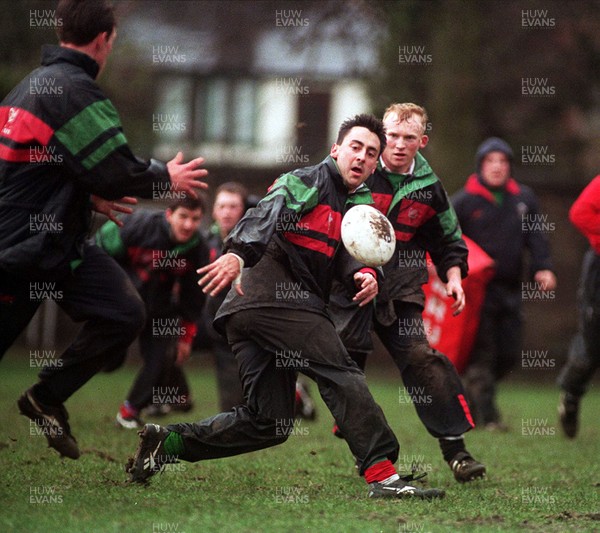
x: 538, y: 480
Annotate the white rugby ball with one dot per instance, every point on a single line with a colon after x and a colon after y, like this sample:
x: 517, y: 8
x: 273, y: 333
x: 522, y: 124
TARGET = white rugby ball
x: 368, y: 235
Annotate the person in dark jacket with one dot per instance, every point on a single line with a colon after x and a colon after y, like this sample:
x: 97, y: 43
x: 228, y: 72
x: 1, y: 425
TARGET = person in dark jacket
x: 62, y: 154
x: 161, y: 251
x: 231, y: 202
x: 502, y: 217
x: 228, y: 208
x: 584, y: 352
x: 413, y: 198
x: 276, y: 322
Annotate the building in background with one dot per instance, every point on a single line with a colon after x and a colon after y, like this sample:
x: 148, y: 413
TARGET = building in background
x: 256, y: 90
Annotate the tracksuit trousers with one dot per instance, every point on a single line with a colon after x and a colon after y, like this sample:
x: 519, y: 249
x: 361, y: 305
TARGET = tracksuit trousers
x: 584, y: 352
x: 430, y: 380
x: 271, y: 345
x: 97, y: 293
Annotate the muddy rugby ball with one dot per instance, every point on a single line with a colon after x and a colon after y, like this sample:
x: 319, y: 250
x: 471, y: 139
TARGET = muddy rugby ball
x: 368, y: 235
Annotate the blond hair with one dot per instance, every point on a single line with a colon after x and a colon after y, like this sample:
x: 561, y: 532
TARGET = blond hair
x: 405, y: 112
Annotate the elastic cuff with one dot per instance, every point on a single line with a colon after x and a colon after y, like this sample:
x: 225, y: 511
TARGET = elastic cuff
x: 238, y: 279
x: 368, y: 270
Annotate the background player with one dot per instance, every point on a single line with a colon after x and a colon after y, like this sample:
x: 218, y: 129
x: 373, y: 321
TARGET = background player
x: 161, y: 251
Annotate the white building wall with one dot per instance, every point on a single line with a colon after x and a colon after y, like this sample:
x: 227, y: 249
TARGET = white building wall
x: 348, y: 98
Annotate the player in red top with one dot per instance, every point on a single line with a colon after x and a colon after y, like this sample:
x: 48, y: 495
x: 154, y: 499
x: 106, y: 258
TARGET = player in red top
x: 584, y: 353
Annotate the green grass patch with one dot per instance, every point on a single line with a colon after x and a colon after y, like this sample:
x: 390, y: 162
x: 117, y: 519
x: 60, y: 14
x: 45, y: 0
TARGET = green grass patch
x: 538, y: 480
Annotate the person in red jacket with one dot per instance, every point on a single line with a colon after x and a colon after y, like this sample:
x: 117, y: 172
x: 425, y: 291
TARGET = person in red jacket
x: 62, y: 154
x: 584, y: 352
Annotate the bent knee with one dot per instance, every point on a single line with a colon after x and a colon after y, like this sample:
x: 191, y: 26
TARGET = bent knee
x: 132, y: 313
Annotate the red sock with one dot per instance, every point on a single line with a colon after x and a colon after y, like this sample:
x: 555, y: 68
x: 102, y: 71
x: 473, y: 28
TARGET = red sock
x: 127, y: 411
x: 380, y: 471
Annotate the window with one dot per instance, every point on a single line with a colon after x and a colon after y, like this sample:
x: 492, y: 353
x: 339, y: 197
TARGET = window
x: 172, y: 119
x: 225, y: 111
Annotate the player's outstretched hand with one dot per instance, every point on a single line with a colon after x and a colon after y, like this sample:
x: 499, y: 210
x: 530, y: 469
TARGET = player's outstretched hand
x: 110, y: 208
x: 220, y: 274
x: 185, y: 176
x: 367, y: 284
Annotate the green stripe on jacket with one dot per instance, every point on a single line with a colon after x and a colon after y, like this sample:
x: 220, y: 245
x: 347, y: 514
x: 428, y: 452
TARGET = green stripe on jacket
x: 299, y: 197
x: 87, y: 126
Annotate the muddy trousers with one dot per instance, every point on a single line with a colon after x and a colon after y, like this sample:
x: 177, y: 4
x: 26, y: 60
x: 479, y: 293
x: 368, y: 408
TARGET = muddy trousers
x: 98, y: 294
x: 431, y: 382
x: 584, y: 352
x: 271, y: 345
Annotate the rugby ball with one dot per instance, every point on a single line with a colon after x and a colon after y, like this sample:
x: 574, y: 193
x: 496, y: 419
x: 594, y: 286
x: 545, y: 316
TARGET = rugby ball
x: 368, y: 235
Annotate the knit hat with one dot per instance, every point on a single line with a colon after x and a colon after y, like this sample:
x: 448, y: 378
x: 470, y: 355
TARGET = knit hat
x: 493, y: 144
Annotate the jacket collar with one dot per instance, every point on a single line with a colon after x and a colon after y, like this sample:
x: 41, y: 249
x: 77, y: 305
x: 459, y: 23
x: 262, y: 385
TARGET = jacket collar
x: 52, y: 54
x: 476, y: 187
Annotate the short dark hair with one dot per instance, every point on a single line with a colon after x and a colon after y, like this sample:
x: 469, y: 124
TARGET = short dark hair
x: 188, y: 202
x: 371, y: 122
x: 233, y: 187
x: 81, y: 21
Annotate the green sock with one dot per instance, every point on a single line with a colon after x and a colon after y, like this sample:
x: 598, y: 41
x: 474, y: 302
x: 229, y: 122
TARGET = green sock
x: 174, y: 444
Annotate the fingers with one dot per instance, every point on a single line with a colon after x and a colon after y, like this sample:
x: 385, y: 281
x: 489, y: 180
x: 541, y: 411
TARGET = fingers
x: 122, y: 209
x: 190, y: 191
x: 177, y: 159
x: 195, y: 184
x: 204, y: 269
x: 219, y: 275
x: 194, y: 162
x: 215, y: 285
x: 186, y: 176
x: 366, y: 295
x: 367, y: 300
x: 459, y: 304
x: 117, y: 221
x: 128, y: 200
x: 238, y: 288
x: 369, y: 289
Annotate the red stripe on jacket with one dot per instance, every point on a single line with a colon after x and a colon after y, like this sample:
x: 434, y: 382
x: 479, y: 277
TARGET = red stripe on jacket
x: 414, y: 214
x: 382, y: 201
x: 310, y: 243
x: 22, y: 127
x: 20, y: 155
x: 323, y: 220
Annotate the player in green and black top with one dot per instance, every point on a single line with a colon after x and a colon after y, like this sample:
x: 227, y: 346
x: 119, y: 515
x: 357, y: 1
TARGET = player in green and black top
x: 62, y: 154
x: 276, y: 322
x: 161, y: 251
x: 407, y: 191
